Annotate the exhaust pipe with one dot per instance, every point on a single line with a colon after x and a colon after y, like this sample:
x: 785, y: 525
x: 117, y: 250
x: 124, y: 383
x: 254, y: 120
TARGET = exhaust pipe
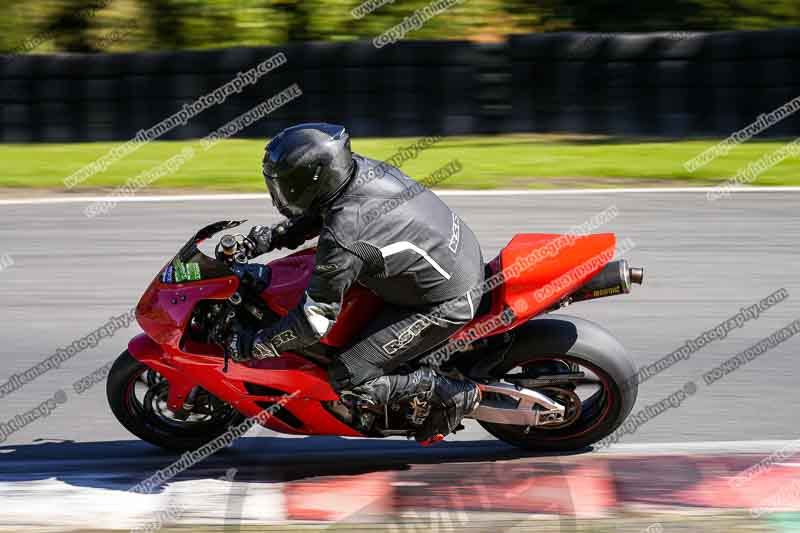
x: 615, y: 278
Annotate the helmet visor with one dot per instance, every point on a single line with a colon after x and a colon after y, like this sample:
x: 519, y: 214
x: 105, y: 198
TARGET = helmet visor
x: 279, y: 200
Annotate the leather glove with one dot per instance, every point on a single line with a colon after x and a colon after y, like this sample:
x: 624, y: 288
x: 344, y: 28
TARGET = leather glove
x: 259, y: 240
x: 288, y: 234
x: 263, y: 348
x: 243, y: 345
x: 294, y: 232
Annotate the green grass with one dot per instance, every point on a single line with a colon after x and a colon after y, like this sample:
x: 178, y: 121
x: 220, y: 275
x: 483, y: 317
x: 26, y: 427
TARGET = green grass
x: 510, y: 161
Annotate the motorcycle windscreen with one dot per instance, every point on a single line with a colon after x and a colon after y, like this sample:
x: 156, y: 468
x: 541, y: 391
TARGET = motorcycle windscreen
x: 190, y: 264
x: 197, y: 266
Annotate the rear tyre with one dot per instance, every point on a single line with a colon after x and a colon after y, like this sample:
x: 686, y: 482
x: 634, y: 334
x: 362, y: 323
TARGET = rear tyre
x: 606, y: 365
x: 137, y: 397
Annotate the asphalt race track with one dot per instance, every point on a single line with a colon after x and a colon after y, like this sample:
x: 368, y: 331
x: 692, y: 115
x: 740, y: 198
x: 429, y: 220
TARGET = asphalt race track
x: 703, y: 262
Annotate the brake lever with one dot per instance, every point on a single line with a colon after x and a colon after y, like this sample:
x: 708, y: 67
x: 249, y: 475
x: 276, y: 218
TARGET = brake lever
x: 249, y: 247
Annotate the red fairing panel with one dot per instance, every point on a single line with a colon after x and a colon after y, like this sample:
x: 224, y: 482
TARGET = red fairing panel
x: 305, y: 381
x: 359, y: 306
x: 164, y: 310
x: 538, y: 270
x: 290, y: 278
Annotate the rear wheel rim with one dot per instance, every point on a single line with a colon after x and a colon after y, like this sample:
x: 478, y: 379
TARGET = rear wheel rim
x: 595, y: 407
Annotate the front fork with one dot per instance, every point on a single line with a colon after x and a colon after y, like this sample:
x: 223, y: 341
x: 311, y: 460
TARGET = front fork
x: 148, y: 352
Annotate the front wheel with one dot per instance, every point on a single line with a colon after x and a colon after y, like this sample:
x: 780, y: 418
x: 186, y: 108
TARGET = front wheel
x: 137, y: 396
x: 591, y: 375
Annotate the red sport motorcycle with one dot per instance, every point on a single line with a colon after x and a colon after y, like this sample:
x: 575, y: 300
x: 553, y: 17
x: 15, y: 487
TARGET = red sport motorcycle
x: 548, y: 381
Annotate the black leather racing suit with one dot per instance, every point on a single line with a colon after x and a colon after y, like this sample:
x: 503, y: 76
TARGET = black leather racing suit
x: 397, y: 238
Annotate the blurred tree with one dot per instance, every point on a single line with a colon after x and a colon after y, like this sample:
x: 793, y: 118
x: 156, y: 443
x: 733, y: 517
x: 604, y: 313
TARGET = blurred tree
x: 656, y: 15
x: 17, y: 24
x: 296, y: 15
x: 70, y: 23
x: 166, y: 21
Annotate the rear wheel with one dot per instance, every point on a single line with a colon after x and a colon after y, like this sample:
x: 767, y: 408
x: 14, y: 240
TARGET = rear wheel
x: 594, y: 404
x: 578, y: 365
x: 137, y: 396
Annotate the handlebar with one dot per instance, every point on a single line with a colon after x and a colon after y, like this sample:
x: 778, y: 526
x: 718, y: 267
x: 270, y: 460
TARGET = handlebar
x: 234, y: 249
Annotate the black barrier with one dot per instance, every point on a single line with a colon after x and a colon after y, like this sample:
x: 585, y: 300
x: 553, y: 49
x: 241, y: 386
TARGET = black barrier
x: 664, y: 84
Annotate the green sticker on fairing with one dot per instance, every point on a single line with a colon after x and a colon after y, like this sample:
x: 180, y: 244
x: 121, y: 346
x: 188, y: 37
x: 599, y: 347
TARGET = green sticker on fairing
x: 193, y: 271
x: 180, y: 271
x: 186, y: 272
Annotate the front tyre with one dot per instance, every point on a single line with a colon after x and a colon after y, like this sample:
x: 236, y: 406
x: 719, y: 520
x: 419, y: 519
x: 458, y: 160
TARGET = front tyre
x: 137, y: 397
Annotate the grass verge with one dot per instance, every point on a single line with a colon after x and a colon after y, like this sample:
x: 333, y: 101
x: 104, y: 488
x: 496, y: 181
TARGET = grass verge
x: 507, y: 161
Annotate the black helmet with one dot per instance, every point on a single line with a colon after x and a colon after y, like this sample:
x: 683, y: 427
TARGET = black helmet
x: 306, y: 166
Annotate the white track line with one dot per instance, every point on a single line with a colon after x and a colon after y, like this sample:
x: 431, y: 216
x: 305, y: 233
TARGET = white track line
x: 717, y: 447
x: 69, y: 199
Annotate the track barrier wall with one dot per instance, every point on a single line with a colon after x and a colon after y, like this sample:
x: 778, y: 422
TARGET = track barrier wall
x: 664, y: 84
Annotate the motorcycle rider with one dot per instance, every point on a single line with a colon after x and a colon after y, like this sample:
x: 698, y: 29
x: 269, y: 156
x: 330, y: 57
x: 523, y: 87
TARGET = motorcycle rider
x: 416, y: 255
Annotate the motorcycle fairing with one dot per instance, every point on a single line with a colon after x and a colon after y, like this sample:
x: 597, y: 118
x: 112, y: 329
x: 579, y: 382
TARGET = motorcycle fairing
x: 290, y: 374
x: 290, y: 278
x: 164, y: 310
x: 543, y: 281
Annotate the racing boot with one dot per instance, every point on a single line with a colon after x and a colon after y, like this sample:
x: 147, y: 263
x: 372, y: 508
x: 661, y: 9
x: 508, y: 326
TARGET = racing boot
x: 439, y: 403
x: 386, y: 390
x: 452, y: 400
